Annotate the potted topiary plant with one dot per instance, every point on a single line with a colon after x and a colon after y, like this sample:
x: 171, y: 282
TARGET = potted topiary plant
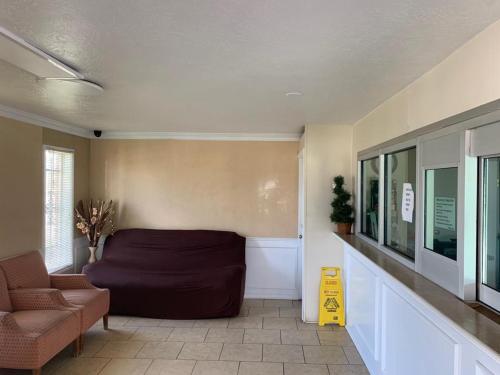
x: 342, y: 210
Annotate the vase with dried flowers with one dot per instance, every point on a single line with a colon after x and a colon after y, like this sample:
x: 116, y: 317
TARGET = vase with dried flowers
x: 94, y: 218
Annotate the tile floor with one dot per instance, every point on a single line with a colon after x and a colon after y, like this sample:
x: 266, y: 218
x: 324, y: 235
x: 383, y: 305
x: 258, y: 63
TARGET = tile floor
x: 268, y: 338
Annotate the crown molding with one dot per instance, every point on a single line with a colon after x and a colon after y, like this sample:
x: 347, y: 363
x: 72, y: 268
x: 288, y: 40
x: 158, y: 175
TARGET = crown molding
x: 34, y: 119
x: 202, y: 136
x: 31, y: 118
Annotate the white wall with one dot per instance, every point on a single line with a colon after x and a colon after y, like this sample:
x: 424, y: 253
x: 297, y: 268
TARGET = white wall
x: 468, y: 78
x: 327, y: 153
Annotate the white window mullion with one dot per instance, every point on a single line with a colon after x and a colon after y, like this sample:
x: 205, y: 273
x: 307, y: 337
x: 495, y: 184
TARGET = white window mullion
x: 58, y: 175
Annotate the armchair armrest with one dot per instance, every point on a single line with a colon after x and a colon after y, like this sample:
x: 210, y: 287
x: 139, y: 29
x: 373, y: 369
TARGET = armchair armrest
x: 70, y: 281
x: 39, y: 299
x: 8, y: 324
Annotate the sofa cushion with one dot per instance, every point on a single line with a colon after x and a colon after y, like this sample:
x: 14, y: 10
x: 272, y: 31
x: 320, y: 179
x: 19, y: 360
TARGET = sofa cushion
x: 5, y: 303
x: 94, y: 303
x: 26, y: 271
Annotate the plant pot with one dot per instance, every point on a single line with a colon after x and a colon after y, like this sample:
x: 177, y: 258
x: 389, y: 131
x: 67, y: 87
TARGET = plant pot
x: 92, y: 258
x: 344, y: 228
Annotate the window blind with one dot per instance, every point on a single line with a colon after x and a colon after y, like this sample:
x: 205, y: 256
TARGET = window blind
x: 58, y: 171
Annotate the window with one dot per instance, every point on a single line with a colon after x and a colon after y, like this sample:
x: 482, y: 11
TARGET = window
x: 440, y: 213
x: 399, y: 204
x: 490, y: 237
x: 369, y: 197
x: 58, y: 173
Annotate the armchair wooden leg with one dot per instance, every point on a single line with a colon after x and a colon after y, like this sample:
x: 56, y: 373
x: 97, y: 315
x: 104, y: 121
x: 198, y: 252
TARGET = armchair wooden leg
x: 37, y: 371
x: 77, y: 347
x: 105, y: 321
x: 81, y: 340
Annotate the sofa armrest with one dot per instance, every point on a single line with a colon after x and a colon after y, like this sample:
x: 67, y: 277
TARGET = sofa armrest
x: 70, y: 281
x: 39, y: 299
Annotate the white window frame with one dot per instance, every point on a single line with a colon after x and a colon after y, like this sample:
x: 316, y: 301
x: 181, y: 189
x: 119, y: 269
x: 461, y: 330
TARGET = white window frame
x: 69, y: 267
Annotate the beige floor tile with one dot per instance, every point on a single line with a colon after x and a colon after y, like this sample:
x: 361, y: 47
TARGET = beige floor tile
x: 260, y: 368
x: 163, y: 350
x: 290, y: 312
x: 115, y: 321
x: 151, y: 333
x: 211, y: 323
x: 170, y: 367
x: 227, y: 335
x: 245, y: 322
x: 188, y: 334
x: 348, y: 370
x: 120, y: 349
x: 295, y: 337
x: 201, y: 351
x: 77, y: 366
x: 283, y: 353
x: 143, y: 322
x: 126, y: 367
x: 305, y: 369
x: 244, y: 311
x: 280, y: 323
x: 277, y: 303
x: 92, y: 346
x: 325, y: 355
x: 241, y: 352
x: 352, y: 355
x: 312, y: 326
x: 264, y: 311
x: 253, y: 303
x: 262, y: 336
x: 335, y: 338
x: 177, y: 323
x: 111, y: 334
x: 215, y: 368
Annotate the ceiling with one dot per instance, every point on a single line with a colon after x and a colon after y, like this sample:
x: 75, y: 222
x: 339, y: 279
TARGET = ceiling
x: 225, y: 65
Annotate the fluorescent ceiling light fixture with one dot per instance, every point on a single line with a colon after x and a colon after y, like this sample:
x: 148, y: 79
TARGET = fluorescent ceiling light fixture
x: 293, y: 93
x: 20, y: 53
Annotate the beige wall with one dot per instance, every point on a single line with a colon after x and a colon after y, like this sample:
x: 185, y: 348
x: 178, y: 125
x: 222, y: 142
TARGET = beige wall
x: 468, y: 78
x: 21, y: 186
x: 247, y: 187
x: 327, y: 154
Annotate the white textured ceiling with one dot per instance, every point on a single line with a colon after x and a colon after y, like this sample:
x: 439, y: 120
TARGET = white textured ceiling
x: 225, y: 65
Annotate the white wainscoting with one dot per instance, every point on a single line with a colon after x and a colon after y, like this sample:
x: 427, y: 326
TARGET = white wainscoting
x: 272, y: 268
x: 398, y: 333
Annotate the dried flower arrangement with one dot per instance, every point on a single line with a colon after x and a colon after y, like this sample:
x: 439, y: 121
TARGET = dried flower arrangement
x: 95, y: 218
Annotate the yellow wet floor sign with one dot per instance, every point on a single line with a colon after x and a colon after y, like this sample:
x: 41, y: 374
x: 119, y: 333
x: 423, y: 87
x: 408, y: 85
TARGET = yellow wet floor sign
x: 331, y: 297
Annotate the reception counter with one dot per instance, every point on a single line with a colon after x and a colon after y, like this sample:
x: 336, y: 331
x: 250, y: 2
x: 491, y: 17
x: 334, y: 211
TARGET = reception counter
x: 404, y: 324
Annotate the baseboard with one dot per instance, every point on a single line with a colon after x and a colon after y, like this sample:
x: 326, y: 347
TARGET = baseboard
x: 272, y: 268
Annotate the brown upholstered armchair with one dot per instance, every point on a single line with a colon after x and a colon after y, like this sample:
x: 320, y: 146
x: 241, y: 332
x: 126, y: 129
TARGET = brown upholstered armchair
x: 35, y: 324
x: 28, y: 271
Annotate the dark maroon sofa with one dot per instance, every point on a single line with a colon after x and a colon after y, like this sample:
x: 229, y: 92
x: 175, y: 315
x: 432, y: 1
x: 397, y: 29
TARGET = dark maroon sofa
x: 173, y: 274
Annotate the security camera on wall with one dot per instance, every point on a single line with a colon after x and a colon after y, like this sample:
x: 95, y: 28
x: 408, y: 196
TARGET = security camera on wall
x: 98, y: 133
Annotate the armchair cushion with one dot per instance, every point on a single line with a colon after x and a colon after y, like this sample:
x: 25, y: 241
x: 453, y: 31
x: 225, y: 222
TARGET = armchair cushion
x: 93, y: 302
x: 26, y: 271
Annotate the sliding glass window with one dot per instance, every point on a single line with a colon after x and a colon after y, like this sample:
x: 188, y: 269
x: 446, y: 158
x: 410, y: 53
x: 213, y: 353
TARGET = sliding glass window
x: 369, y: 197
x: 440, y: 223
x: 399, y: 203
x: 490, y: 236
